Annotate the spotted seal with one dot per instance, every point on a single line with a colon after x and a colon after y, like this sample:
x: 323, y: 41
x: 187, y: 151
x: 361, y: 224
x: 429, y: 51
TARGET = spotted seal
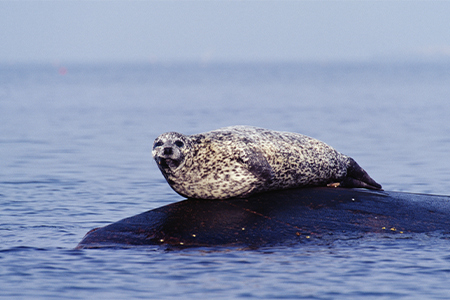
x: 238, y: 161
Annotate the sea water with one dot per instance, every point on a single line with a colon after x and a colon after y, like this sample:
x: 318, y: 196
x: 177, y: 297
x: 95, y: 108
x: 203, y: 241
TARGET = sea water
x: 75, y: 154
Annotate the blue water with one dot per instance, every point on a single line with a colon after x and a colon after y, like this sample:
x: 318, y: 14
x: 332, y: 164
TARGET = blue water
x: 75, y: 145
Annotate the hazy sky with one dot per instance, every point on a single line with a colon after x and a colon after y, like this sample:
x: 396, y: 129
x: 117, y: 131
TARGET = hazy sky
x: 98, y: 31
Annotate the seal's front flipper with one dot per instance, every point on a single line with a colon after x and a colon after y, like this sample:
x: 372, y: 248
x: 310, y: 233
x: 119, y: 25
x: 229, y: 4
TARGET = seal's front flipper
x: 256, y: 163
x: 357, y: 177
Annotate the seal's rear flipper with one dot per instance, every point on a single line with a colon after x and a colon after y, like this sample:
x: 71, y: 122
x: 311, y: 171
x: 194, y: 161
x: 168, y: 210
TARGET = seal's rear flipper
x: 357, y: 177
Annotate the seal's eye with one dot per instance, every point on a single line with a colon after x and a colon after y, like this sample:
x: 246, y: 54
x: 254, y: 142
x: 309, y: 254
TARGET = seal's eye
x: 157, y: 144
x: 179, y: 143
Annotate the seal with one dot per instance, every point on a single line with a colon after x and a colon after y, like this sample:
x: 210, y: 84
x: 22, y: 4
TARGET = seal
x: 238, y: 161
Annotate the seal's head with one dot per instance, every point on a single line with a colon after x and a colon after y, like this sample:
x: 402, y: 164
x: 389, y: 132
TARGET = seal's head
x: 170, y: 150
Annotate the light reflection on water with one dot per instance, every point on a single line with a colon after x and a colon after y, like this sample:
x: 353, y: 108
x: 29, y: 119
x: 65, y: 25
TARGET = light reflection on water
x: 75, y: 154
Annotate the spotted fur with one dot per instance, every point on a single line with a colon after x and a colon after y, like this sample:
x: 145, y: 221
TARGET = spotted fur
x: 238, y: 161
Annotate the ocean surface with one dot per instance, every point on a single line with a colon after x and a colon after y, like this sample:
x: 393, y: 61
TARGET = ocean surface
x: 75, y: 154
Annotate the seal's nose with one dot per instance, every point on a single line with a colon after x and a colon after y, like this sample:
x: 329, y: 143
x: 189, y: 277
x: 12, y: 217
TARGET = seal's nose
x: 168, y: 151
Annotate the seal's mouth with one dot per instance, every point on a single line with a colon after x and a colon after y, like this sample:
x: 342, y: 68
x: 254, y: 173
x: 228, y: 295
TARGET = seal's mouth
x: 167, y: 163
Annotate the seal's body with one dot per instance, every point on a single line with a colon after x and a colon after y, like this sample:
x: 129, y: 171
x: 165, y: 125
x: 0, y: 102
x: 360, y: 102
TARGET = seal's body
x: 238, y: 161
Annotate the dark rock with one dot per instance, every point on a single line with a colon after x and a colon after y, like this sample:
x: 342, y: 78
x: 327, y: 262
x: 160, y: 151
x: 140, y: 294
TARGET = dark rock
x: 273, y: 218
